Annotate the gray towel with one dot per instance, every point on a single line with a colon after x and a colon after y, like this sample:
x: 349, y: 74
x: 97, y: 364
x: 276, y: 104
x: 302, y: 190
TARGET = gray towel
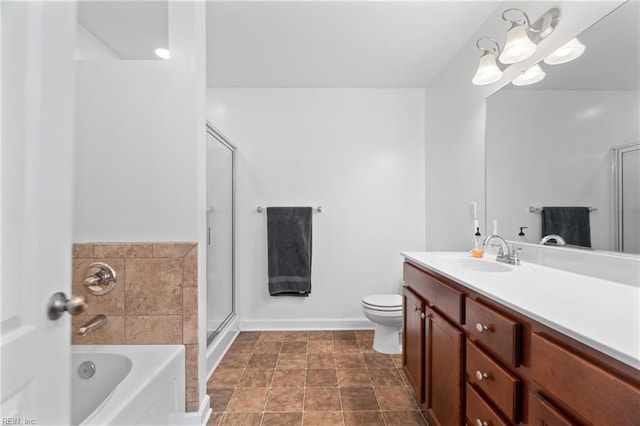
x: 289, y: 250
x: 571, y: 223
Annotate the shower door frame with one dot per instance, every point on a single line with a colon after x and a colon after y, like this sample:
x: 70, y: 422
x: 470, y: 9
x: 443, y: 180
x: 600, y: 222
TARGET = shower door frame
x: 617, y: 228
x: 215, y: 133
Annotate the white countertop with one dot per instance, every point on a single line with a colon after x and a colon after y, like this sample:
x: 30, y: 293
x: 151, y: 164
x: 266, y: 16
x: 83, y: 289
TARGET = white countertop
x: 599, y: 313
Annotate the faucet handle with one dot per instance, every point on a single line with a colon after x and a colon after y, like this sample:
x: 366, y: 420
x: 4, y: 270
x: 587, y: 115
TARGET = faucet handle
x: 515, y: 249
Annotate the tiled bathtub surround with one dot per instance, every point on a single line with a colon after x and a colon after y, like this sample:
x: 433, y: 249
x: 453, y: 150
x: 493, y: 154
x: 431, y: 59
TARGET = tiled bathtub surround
x: 310, y: 378
x: 155, y: 300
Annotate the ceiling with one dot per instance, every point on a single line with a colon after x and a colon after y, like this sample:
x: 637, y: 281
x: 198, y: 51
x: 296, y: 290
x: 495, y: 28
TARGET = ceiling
x: 373, y: 44
x: 302, y: 43
x: 352, y: 43
x: 131, y: 29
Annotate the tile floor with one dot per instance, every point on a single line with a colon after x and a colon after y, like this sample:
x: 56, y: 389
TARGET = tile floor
x: 310, y: 378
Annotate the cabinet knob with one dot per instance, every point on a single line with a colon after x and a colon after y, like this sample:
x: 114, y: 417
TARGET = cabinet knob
x: 482, y: 376
x: 425, y: 316
x: 481, y: 423
x: 415, y: 308
x: 481, y: 327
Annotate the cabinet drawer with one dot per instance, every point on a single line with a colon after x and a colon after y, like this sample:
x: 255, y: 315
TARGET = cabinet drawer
x: 478, y: 412
x: 595, y: 394
x: 437, y: 294
x: 498, y: 384
x: 542, y: 412
x: 494, y: 332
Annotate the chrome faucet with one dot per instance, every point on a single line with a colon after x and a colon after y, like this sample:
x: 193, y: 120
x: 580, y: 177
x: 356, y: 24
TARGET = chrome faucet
x: 558, y: 238
x: 506, y: 254
x: 95, y: 322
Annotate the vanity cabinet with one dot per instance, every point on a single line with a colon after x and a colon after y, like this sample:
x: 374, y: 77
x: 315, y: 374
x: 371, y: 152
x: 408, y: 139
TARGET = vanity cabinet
x: 486, y: 364
x: 438, y: 381
x: 413, y: 341
x: 443, y: 365
x: 571, y: 379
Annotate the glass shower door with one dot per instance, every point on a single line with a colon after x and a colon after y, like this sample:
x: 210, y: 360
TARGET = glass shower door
x: 220, y: 232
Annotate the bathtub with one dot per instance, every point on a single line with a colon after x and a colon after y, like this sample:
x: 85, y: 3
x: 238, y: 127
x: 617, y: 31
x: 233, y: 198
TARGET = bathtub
x: 127, y: 385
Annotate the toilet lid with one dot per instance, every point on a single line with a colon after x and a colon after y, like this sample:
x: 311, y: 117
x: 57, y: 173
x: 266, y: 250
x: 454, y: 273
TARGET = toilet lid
x: 383, y: 301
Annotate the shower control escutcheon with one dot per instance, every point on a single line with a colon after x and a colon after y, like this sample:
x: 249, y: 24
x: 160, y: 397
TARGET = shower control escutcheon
x: 100, y: 278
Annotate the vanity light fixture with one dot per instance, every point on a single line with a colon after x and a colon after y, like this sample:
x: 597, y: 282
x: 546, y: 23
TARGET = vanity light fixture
x: 529, y: 76
x: 162, y: 53
x: 569, y: 51
x: 522, y: 37
x: 488, y: 71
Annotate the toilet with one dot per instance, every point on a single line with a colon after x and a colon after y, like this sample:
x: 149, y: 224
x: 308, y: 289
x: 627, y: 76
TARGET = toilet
x: 385, y: 310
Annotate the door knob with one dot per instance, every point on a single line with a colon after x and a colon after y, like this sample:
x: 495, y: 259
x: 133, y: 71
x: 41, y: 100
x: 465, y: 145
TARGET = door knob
x: 58, y: 303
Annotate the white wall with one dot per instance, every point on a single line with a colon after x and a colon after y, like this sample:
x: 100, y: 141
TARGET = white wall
x: 555, y: 151
x: 135, y: 166
x: 89, y: 47
x: 140, y: 161
x: 358, y: 153
x: 136, y: 156
x: 455, y: 120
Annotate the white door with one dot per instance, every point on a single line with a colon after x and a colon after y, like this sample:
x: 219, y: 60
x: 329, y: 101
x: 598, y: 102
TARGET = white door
x: 37, y: 130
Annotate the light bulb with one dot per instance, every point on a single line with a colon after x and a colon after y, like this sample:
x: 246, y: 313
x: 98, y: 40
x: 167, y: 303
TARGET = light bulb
x: 518, y: 45
x: 488, y: 71
x: 162, y: 53
x: 530, y: 76
x: 569, y: 51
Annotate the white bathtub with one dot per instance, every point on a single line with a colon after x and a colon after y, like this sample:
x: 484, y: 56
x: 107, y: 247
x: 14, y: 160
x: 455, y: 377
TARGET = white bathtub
x: 131, y: 385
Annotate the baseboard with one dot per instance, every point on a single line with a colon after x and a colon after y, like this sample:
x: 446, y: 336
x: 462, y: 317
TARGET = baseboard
x: 306, y: 324
x: 200, y: 417
x: 221, y: 345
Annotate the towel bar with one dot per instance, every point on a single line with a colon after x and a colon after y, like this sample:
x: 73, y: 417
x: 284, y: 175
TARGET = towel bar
x: 318, y: 209
x: 539, y: 209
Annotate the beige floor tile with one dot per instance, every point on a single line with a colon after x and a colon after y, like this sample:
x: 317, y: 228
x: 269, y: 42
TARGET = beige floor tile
x: 311, y: 378
x: 322, y: 418
x: 248, y: 400
x: 322, y: 399
x: 285, y: 399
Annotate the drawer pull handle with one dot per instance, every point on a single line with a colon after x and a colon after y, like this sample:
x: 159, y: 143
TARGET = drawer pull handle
x: 415, y: 308
x: 481, y: 327
x: 481, y: 423
x: 482, y: 376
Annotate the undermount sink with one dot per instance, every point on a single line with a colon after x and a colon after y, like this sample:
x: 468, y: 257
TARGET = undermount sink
x: 482, y: 265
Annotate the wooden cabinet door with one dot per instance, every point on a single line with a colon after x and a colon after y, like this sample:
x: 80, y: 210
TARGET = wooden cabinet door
x: 413, y: 341
x: 444, y: 370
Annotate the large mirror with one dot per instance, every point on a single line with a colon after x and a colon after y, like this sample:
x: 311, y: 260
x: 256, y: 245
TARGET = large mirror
x: 571, y: 140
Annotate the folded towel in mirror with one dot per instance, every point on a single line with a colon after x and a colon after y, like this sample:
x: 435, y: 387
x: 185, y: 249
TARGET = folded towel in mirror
x: 571, y: 223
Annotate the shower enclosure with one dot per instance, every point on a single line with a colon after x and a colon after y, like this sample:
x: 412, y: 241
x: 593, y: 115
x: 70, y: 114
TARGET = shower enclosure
x: 220, y: 232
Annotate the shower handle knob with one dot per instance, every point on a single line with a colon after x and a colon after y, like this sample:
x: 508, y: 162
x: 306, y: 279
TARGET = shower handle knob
x: 58, y: 303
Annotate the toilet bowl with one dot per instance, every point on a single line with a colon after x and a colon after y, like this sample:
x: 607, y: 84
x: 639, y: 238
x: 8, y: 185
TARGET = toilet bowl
x: 385, y: 310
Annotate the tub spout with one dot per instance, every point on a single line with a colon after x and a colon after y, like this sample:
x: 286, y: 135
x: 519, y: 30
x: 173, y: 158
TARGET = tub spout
x: 95, y: 322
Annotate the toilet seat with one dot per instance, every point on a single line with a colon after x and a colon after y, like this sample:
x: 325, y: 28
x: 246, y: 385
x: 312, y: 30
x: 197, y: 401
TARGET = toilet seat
x: 383, y: 302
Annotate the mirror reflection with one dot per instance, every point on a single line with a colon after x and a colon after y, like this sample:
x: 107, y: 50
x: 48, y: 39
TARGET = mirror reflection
x: 571, y: 140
